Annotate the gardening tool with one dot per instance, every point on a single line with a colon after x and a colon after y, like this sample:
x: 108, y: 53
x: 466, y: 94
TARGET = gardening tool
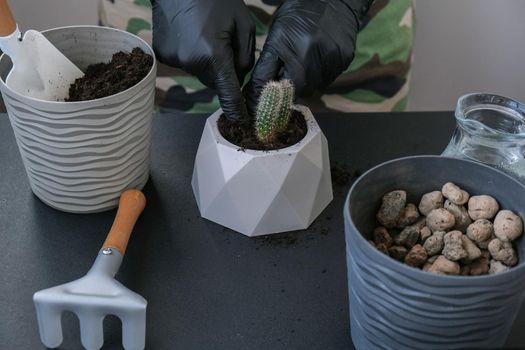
x: 39, y: 70
x: 98, y: 294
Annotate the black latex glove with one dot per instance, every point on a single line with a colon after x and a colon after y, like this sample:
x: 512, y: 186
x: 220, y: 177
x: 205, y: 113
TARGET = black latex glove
x: 310, y: 42
x: 211, y: 39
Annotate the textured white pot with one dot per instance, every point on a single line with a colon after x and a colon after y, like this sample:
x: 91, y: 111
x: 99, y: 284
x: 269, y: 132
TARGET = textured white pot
x: 262, y: 192
x: 80, y: 156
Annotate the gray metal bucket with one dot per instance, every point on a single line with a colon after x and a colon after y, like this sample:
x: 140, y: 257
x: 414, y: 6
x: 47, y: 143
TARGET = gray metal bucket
x: 394, y: 306
x: 80, y: 156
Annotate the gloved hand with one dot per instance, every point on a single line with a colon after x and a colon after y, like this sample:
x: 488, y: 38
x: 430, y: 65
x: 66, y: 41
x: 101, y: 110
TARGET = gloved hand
x: 310, y: 42
x: 211, y: 39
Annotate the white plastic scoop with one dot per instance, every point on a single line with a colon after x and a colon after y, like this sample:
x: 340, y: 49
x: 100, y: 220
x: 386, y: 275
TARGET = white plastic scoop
x: 39, y: 70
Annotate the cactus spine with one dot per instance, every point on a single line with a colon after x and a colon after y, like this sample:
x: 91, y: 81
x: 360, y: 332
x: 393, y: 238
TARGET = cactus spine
x: 274, y: 110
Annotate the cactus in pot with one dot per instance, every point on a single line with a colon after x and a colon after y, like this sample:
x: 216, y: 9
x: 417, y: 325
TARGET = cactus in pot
x: 280, y: 181
x: 274, y: 110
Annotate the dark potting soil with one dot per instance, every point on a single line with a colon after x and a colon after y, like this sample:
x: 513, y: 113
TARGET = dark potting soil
x: 105, y: 79
x: 342, y: 177
x: 243, y: 134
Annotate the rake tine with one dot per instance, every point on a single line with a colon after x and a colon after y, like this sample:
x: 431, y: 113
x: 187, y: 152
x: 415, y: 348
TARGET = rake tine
x: 133, y: 330
x: 49, y: 324
x: 91, y: 330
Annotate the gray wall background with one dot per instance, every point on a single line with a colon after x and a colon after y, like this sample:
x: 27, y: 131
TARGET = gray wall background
x: 461, y: 45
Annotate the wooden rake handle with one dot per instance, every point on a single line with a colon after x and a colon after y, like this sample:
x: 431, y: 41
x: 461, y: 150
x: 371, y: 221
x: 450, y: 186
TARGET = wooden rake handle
x: 131, y: 204
x: 7, y: 21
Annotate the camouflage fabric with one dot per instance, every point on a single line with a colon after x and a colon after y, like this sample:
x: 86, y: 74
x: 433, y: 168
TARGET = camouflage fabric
x: 377, y: 80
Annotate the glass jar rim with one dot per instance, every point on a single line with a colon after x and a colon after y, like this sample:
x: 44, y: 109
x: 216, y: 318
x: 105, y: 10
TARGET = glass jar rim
x: 479, y: 100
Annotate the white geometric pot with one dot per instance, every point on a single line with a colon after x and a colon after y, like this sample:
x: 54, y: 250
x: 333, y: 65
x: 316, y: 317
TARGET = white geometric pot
x: 262, y: 192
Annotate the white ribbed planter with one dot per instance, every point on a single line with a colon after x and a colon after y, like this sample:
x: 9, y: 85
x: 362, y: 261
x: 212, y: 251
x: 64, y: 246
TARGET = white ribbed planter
x: 262, y: 192
x: 80, y: 156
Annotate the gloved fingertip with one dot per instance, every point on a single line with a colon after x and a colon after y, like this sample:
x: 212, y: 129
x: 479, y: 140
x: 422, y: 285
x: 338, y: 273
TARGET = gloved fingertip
x: 251, y: 95
x: 235, y: 116
x: 235, y: 110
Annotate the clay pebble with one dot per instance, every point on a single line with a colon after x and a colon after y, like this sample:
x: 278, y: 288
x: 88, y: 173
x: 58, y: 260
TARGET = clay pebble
x: 482, y: 207
x: 497, y: 267
x: 443, y: 266
x: 460, y: 214
x: 455, y: 194
x: 503, y: 251
x: 392, y: 207
x: 435, y: 243
x: 381, y: 235
x: 430, y: 201
x: 409, y: 216
x: 440, y: 220
x: 424, y: 233
x: 480, y: 230
x: 398, y: 252
x: 507, y: 226
x: 408, y: 237
x: 473, y: 252
x: 453, y: 248
x: 417, y: 256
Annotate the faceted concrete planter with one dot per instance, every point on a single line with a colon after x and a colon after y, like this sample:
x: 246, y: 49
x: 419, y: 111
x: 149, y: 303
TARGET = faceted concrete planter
x: 262, y: 192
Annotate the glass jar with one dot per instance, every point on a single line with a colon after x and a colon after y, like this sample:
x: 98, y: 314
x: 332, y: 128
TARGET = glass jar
x: 491, y: 130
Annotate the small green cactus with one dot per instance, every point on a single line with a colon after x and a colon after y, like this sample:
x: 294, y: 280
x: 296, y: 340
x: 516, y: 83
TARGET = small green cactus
x: 274, y: 110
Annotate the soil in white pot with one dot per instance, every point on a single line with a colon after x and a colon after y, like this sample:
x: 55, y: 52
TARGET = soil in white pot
x: 243, y: 134
x: 125, y: 70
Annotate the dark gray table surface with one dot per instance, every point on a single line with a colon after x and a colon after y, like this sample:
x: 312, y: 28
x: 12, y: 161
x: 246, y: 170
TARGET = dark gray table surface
x: 207, y: 287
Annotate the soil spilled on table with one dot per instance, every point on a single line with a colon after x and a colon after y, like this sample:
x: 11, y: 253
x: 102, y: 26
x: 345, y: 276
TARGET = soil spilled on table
x: 341, y: 177
x: 124, y: 70
x: 243, y: 134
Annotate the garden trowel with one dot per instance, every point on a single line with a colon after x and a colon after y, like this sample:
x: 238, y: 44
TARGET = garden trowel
x: 98, y: 294
x: 39, y: 70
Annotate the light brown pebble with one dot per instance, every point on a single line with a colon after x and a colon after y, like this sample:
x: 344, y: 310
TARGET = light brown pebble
x: 482, y: 207
x: 408, y: 237
x: 503, y: 251
x: 460, y: 215
x: 416, y: 256
x: 424, y: 234
x: 435, y: 243
x: 382, y: 248
x: 479, y: 266
x: 497, y: 267
x: 453, y: 248
x: 443, y: 266
x: 381, y: 235
x: 473, y: 252
x: 507, y: 226
x: 480, y: 230
x: 430, y: 201
x: 392, y: 207
x: 398, y: 252
x: 455, y: 194
x: 440, y: 220
x: 410, y: 215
